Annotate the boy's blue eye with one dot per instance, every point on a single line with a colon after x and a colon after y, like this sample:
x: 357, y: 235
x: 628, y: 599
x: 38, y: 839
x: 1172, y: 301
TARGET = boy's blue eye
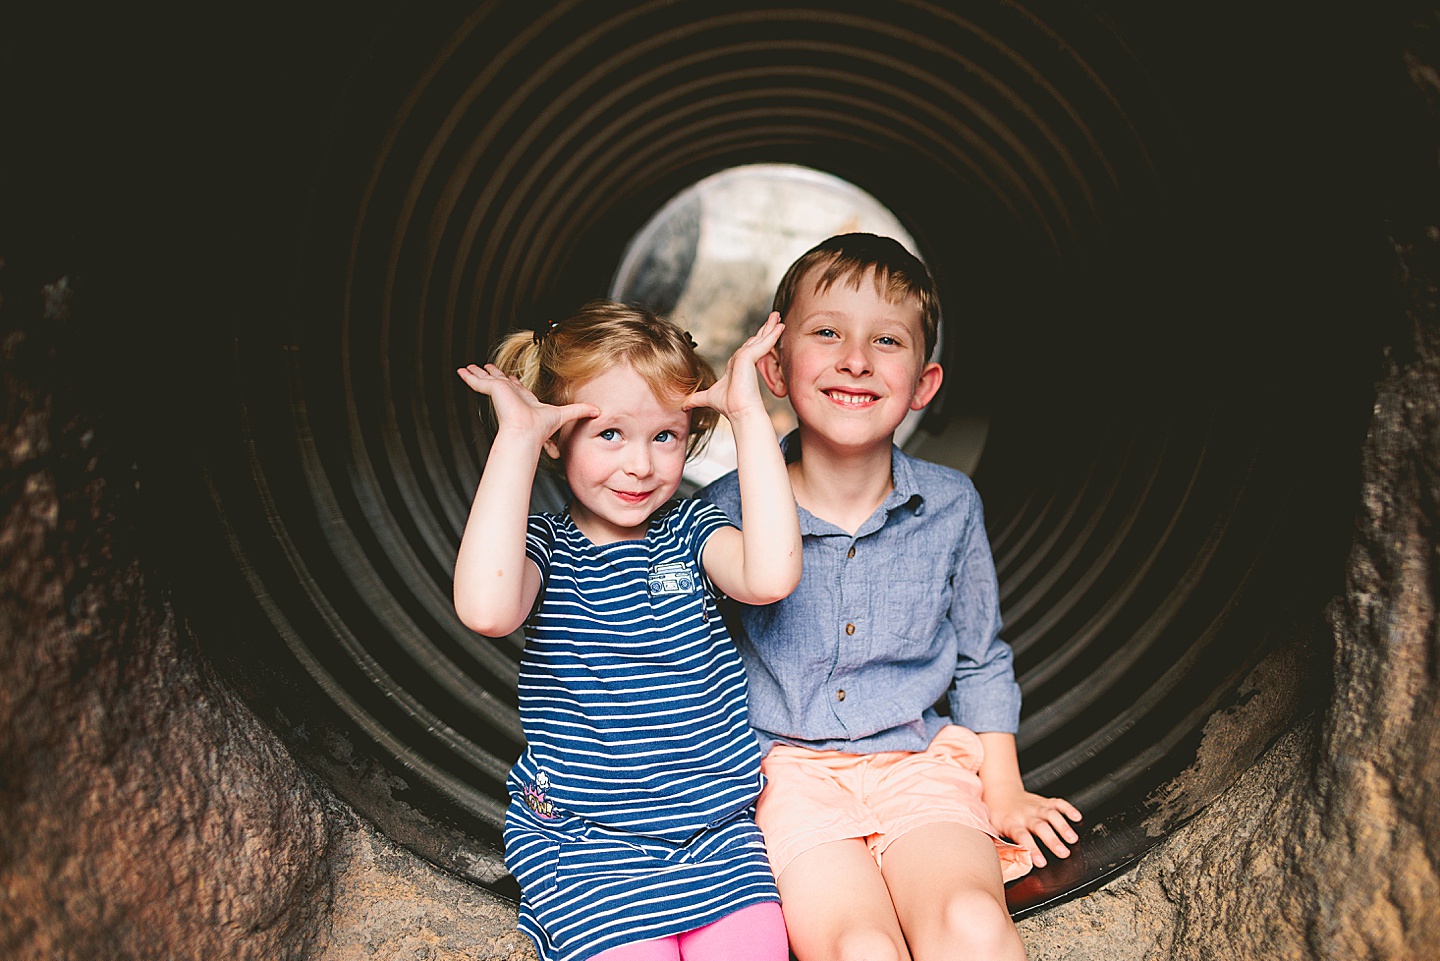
x: 887, y: 341
x: 609, y: 433
x: 826, y: 332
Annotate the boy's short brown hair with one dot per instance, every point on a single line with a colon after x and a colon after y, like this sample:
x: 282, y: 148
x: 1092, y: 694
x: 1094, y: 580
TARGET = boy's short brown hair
x: 898, y: 274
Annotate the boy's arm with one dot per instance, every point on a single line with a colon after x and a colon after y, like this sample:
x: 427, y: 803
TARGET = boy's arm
x: 495, y: 584
x: 760, y: 563
x: 984, y: 696
x: 986, y: 699
x: 1027, y: 819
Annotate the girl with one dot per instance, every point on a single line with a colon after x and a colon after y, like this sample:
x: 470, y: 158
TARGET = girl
x: 630, y: 826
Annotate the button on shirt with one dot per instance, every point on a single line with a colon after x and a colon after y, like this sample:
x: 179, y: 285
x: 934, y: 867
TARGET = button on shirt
x: 884, y: 623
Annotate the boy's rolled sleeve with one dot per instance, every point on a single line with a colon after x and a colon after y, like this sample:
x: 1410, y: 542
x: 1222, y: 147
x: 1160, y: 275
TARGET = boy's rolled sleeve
x: 985, y: 696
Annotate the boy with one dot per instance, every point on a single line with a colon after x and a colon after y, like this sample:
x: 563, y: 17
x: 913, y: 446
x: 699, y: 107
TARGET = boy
x: 882, y: 818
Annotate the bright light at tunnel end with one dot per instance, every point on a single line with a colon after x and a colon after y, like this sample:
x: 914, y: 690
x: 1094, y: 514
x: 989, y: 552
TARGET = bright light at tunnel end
x: 711, y: 258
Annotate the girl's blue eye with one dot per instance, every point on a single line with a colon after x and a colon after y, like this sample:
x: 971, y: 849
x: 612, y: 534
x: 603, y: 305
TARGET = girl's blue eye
x: 609, y: 433
x: 665, y: 436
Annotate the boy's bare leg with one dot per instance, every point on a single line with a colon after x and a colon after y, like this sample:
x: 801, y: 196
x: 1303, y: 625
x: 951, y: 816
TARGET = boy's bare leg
x: 837, y: 908
x: 944, y: 881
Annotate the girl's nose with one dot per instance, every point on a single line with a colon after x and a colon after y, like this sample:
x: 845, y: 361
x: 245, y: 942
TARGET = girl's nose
x: 638, y: 462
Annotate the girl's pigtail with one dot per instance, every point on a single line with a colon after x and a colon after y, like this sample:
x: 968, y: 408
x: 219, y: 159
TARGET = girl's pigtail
x: 519, y: 356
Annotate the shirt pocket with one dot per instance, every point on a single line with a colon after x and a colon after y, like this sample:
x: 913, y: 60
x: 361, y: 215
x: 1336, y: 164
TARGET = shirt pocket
x: 591, y: 861
x: 911, y: 608
x: 676, y: 593
x: 533, y: 859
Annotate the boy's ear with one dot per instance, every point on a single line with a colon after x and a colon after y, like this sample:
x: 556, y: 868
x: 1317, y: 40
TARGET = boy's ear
x: 771, y: 371
x: 552, y: 447
x: 927, y: 385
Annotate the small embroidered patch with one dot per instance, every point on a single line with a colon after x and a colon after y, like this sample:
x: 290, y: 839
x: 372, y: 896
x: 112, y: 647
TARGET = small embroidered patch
x: 672, y: 578
x: 533, y: 795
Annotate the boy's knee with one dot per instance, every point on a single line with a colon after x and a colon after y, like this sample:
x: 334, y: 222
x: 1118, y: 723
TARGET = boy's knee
x: 867, y: 944
x: 975, y: 920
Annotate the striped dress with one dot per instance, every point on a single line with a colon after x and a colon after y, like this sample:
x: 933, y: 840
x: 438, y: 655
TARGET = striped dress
x: 631, y: 808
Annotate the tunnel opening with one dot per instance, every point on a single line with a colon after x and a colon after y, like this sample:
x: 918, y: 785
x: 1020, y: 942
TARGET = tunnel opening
x: 711, y: 258
x: 1140, y: 318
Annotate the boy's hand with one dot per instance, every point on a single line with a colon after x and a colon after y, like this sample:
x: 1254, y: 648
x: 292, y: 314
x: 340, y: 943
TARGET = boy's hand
x: 516, y: 409
x: 737, y: 392
x: 1032, y: 819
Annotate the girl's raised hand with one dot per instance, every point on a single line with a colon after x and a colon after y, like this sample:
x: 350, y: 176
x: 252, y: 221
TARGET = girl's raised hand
x: 738, y: 390
x: 516, y: 409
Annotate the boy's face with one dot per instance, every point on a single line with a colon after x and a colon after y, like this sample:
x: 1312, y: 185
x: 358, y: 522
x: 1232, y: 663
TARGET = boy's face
x: 852, y: 363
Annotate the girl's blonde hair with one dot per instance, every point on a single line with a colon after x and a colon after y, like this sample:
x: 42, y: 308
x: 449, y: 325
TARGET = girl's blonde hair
x: 595, y: 339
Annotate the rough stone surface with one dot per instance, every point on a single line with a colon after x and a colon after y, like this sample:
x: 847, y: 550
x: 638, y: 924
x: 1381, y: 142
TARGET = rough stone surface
x: 391, y: 904
x: 1329, y: 847
x: 145, y: 811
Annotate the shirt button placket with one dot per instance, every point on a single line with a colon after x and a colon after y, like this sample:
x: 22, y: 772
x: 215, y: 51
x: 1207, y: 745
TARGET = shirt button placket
x: 849, y: 625
x: 849, y: 631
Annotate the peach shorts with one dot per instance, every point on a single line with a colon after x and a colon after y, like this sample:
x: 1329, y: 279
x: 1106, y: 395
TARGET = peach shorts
x: 813, y: 797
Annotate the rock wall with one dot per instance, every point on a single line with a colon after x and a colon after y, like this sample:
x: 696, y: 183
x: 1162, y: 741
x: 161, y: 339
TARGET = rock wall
x: 1329, y: 847
x: 145, y: 811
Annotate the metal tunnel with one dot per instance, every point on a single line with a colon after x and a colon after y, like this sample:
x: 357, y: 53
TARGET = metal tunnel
x: 1132, y: 218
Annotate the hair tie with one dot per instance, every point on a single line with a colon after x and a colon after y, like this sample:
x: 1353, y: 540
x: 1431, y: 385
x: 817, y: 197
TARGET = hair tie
x: 542, y: 332
x: 693, y: 346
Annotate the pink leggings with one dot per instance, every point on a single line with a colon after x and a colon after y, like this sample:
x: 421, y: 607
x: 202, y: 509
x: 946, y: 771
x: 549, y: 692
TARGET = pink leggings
x: 756, y: 932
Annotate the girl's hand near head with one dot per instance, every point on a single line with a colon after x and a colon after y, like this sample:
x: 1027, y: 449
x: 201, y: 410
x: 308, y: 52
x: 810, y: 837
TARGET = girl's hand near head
x: 760, y: 563
x: 495, y: 585
x: 516, y: 409
x: 737, y: 393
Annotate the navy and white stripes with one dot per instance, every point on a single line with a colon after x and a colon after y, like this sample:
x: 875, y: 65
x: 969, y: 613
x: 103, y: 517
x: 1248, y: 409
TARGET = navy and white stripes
x: 630, y: 816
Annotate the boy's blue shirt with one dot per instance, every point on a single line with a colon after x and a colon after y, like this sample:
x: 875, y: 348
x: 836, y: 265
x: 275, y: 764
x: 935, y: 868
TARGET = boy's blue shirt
x: 882, y: 624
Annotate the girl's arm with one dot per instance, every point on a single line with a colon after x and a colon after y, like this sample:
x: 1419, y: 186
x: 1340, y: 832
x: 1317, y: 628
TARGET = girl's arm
x: 760, y: 563
x: 495, y: 584
x: 1025, y: 818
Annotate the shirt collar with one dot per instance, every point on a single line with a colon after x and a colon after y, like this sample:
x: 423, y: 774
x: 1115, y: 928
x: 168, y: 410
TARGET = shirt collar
x: 907, y: 486
x: 905, y: 490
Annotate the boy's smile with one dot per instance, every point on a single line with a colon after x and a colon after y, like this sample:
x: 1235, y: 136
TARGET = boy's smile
x: 846, y: 398
x: 852, y: 364
x: 624, y: 464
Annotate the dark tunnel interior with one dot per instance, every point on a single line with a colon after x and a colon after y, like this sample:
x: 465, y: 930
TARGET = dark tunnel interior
x: 1157, y: 231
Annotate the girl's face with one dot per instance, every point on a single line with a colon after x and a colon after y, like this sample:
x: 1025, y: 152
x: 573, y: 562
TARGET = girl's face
x: 624, y: 464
